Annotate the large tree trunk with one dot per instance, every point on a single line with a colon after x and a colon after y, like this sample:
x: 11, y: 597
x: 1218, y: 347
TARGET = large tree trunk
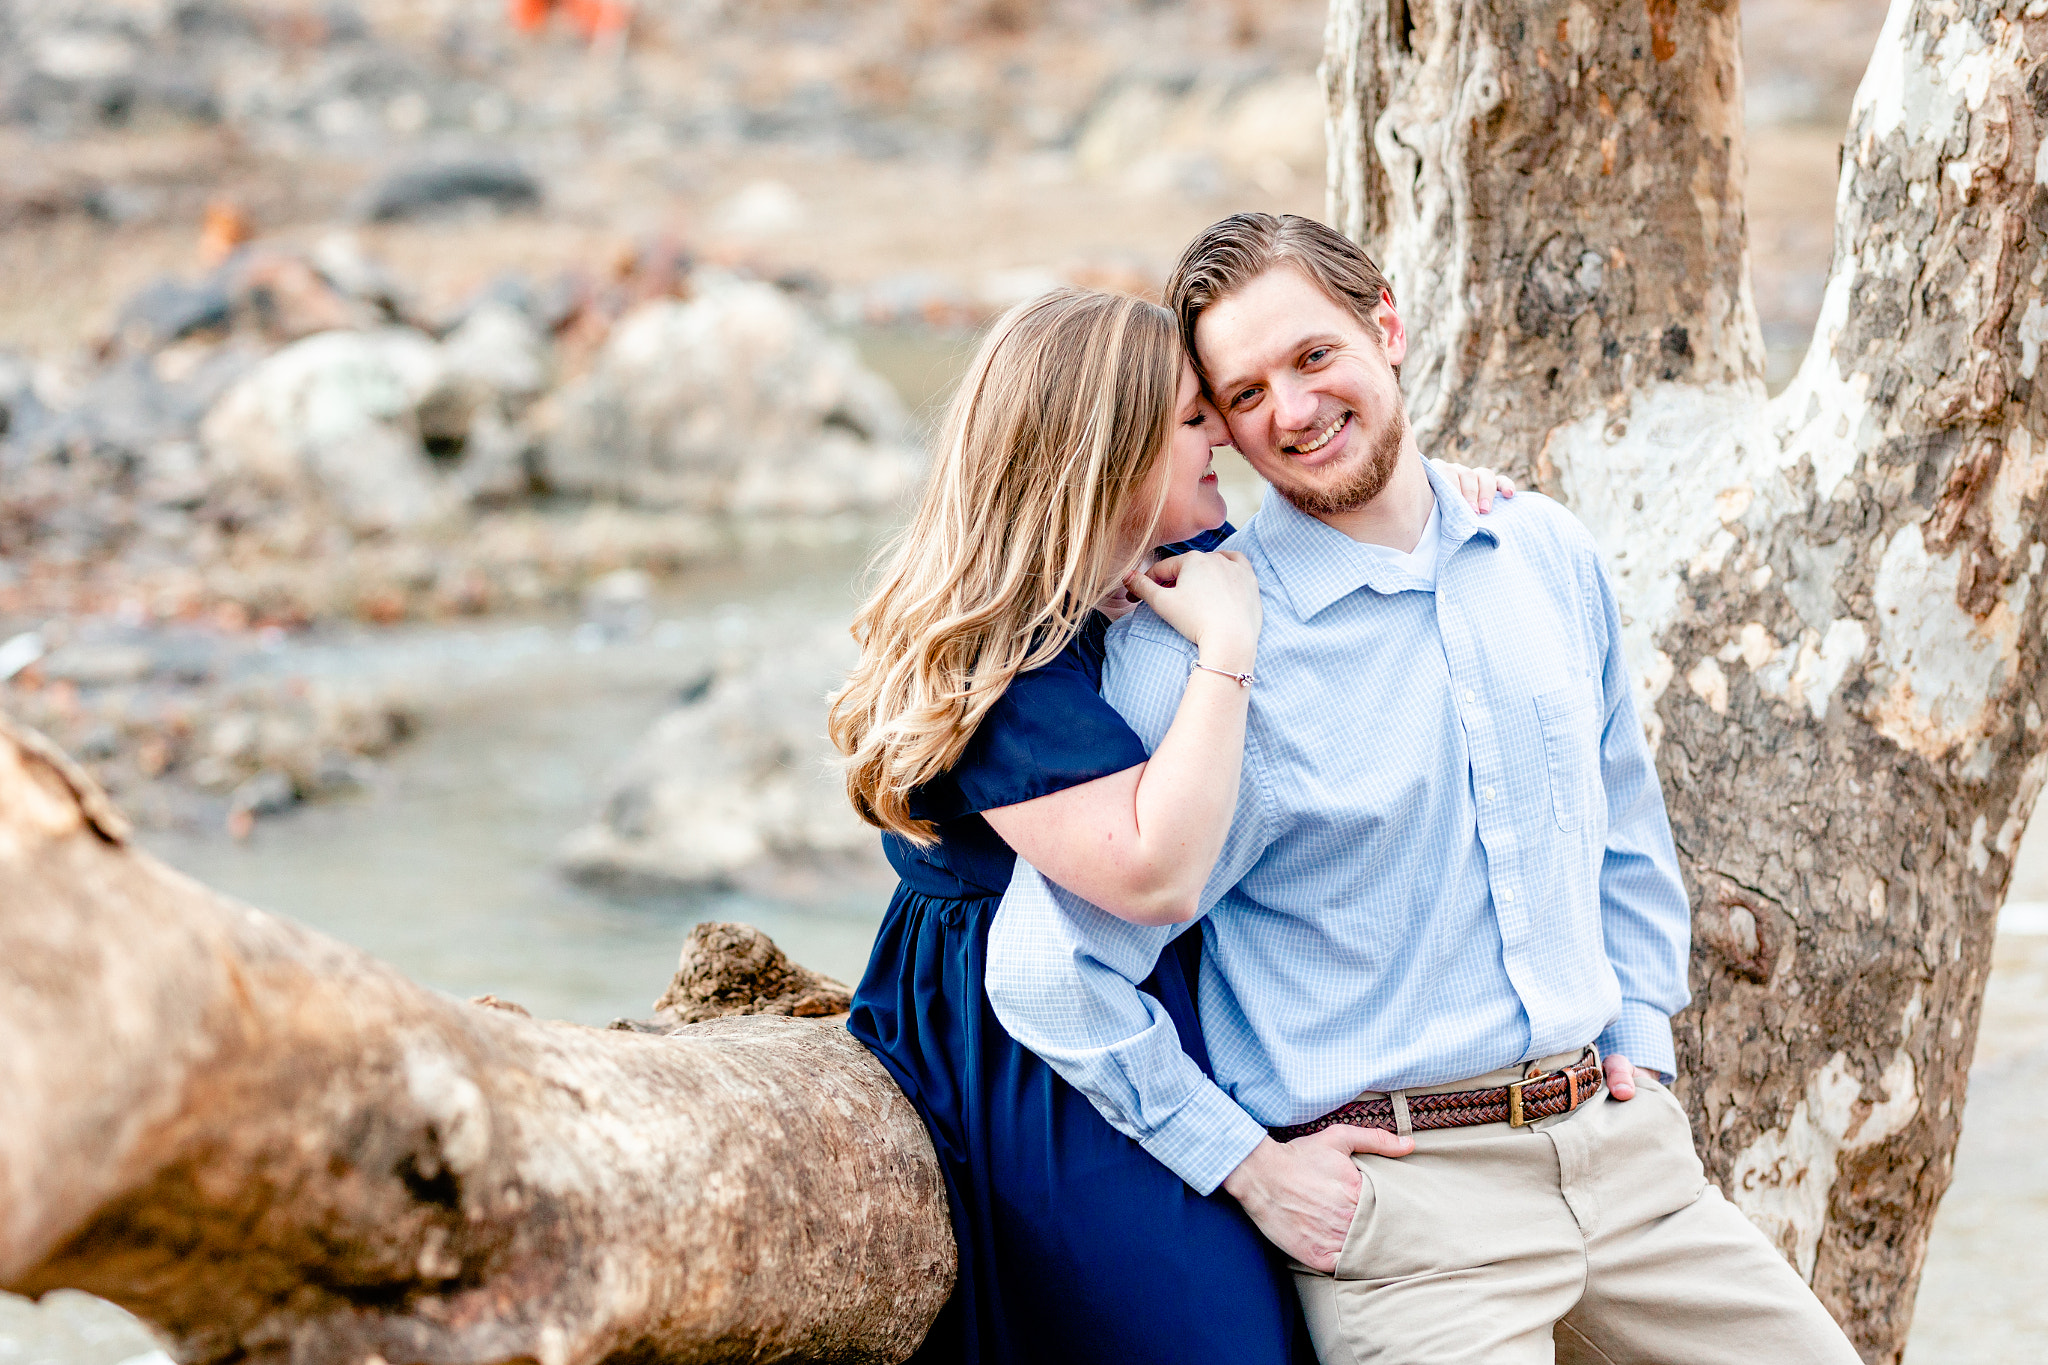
x: 1830, y: 598
x: 269, y: 1145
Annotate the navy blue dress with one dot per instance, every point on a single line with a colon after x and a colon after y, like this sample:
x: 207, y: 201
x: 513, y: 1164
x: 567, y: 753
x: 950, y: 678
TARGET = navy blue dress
x: 1076, y: 1246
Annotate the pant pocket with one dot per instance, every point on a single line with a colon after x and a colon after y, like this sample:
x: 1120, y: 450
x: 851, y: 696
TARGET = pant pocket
x: 1354, y: 1261
x: 1669, y: 1137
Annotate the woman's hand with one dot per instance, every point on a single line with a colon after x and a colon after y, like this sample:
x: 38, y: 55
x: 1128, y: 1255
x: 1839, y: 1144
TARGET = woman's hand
x: 1477, y: 486
x: 1212, y: 599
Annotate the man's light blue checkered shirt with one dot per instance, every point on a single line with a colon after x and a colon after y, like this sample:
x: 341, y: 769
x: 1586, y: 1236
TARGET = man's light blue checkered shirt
x: 1450, y: 852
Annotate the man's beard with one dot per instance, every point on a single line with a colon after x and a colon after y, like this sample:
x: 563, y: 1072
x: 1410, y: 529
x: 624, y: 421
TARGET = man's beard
x: 1364, y: 483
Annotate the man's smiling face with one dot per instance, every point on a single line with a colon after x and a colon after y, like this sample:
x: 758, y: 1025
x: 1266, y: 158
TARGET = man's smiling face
x: 1309, y: 394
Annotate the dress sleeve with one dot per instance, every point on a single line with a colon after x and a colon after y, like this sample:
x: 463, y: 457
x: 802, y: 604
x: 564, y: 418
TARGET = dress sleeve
x: 1051, y: 730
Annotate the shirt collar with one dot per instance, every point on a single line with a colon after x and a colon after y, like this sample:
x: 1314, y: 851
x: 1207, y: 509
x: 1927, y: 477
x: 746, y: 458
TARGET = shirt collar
x: 1316, y: 564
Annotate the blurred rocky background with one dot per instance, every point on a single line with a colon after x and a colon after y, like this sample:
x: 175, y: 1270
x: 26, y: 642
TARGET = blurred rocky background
x: 377, y: 311
x: 324, y: 315
x: 439, y: 440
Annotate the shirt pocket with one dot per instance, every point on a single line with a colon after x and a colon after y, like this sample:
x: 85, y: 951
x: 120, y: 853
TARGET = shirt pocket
x: 1568, y: 718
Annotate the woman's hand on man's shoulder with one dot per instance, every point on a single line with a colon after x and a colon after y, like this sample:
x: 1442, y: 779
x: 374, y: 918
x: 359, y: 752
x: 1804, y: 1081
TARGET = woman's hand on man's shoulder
x: 1211, y: 599
x: 1477, y: 484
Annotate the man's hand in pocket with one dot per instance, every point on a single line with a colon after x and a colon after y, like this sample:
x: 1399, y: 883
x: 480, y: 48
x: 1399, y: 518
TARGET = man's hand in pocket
x: 1622, y: 1078
x: 1302, y: 1194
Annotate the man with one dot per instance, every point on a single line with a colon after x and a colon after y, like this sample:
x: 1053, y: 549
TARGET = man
x: 1449, y: 893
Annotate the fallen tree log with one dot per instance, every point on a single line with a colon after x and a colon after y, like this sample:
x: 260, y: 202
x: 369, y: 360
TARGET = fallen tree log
x: 271, y: 1146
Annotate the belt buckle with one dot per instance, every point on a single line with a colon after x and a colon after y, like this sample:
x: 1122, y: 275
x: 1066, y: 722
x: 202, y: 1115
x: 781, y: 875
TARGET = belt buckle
x: 1517, y: 1116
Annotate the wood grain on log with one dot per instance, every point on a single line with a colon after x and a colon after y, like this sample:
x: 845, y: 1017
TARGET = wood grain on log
x: 269, y: 1145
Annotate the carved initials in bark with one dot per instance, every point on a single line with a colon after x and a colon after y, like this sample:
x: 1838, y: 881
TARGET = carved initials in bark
x: 1831, y: 599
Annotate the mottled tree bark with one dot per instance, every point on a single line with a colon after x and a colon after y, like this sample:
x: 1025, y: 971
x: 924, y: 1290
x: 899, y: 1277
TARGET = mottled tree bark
x: 271, y: 1146
x: 1830, y: 598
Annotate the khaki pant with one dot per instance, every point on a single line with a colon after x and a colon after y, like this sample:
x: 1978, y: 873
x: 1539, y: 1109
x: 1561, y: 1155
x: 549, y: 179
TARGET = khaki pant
x: 1598, y: 1226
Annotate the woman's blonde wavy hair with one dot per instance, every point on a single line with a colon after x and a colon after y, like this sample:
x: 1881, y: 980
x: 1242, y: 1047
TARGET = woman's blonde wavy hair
x: 1039, y: 500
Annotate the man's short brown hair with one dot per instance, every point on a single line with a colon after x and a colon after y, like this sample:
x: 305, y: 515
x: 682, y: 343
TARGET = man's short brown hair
x: 1231, y: 254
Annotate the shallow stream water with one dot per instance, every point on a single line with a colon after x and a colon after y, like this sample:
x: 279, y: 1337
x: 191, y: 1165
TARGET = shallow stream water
x: 443, y: 863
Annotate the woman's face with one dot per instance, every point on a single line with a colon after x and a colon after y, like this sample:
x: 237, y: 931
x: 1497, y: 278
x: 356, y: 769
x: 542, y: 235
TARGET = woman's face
x: 1193, y: 501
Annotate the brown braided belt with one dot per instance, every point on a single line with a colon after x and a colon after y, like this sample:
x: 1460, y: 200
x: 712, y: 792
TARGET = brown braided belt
x: 1522, y: 1102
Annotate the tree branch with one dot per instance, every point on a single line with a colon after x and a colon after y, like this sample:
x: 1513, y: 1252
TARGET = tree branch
x: 268, y: 1144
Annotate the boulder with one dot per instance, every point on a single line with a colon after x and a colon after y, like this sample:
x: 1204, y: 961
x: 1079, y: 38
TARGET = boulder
x: 167, y: 310
x: 619, y: 605
x: 347, y: 265
x: 20, y: 409
x: 730, y: 784
x: 497, y: 348
x: 734, y: 401
x: 334, y: 418
x: 437, y: 187
x: 496, y: 362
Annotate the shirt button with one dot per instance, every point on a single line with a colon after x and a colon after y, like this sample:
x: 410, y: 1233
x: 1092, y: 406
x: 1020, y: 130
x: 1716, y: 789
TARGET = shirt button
x: 1470, y: 696
x: 1507, y: 895
x: 1486, y: 795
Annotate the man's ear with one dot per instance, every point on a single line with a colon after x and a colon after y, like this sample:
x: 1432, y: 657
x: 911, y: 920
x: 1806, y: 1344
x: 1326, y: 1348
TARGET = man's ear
x: 1393, y: 333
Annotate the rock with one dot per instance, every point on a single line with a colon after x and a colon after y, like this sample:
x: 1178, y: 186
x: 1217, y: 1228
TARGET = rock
x: 547, y: 306
x: 496, y: 457
x: 165, y: 310
x: 121, y: 412
x: 18, y: 652
x: 729, y: 785
x: 736, y: 401
x: 81, y: 54
x: 335, y: 418
x: 437, y: 187
x: 269, y: 792
x: 344, y: 264
x: 495, y: 363
x: 98, y: 744
x: 173, y: 476
x: 764, y: 208
x: 497, y: 349
x: 19, y: 407
x: 619, y: 603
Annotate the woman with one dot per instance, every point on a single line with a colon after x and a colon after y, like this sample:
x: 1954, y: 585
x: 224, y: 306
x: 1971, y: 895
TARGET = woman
x: 974, y: 734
